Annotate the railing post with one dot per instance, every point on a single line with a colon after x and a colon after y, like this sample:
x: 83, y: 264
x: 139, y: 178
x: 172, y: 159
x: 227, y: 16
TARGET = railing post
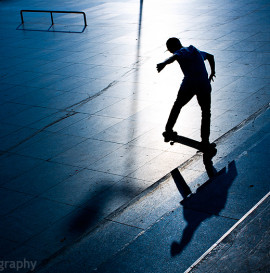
x: 52, y: 17
x: 84, y: 16
x: 22, y: 17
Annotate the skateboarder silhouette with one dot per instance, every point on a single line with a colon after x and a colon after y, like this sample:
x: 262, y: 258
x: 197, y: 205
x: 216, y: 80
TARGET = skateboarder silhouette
x: 195, y: 82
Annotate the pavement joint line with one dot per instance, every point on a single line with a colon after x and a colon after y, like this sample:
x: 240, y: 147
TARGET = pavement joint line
x: 210, y: 213
x: 252, y: 146
x: 244, y: 122
x: 124, y: 224
x: 122, y: 248
x: 227, y: 233
x: 84, y: 101
x: 62, y: 250
x: 69, y: 114
x: 140, y: 196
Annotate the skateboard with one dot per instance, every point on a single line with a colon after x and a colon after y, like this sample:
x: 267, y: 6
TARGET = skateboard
x: 206, y: 149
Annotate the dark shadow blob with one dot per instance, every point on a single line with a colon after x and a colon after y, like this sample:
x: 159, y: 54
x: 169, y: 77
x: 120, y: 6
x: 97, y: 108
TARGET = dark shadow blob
x: 180, y: 183
x: 208, y: 163
x: 89, y: 214
x: 209, y: 200
x: 102, y: 202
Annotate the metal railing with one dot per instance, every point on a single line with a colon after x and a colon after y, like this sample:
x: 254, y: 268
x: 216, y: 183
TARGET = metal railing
x: 54, y: 11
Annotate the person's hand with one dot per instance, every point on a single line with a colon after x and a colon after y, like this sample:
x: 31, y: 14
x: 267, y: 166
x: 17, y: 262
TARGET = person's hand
x: 211, y: 78
x: 160, y: 66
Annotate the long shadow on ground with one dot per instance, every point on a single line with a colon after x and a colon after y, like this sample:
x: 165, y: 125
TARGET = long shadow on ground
x: 210, y: 199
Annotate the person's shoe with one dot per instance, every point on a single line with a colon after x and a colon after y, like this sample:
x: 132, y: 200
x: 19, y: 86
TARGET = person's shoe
x: 169, y: 135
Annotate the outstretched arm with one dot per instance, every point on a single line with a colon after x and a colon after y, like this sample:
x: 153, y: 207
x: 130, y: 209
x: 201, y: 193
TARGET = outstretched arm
x: 211, y: 61
x: 160, y: 66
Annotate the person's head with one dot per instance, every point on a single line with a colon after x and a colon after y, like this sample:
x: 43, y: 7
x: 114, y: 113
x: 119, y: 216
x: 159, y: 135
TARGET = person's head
x: 173, y: 44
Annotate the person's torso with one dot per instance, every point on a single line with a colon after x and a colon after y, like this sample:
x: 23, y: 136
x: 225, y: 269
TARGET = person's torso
x: 191, y: 62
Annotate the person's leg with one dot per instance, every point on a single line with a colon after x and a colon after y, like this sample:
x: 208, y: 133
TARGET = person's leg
x: 185, y: 94
x: 204, y: 100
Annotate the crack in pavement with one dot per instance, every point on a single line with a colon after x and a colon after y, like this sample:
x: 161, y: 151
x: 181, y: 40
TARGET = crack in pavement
x: 70, y: 112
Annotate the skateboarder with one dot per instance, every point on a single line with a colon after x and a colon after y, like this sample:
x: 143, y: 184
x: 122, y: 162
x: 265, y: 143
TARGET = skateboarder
x: 195, y: 82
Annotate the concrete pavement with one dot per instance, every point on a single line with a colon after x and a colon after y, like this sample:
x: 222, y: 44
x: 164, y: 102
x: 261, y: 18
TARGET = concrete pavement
x: 157, y: 233
x: 82, y: 112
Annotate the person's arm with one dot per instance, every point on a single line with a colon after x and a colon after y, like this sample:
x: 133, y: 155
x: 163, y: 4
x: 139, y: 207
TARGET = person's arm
x: 211, y: 61
x: 170, y: 60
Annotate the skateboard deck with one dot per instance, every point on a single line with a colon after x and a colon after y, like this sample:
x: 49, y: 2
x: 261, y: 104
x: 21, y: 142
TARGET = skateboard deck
x: 209, y: 149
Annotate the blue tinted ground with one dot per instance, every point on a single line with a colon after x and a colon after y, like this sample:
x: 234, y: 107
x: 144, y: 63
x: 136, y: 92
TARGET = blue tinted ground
x: 82, y: 112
